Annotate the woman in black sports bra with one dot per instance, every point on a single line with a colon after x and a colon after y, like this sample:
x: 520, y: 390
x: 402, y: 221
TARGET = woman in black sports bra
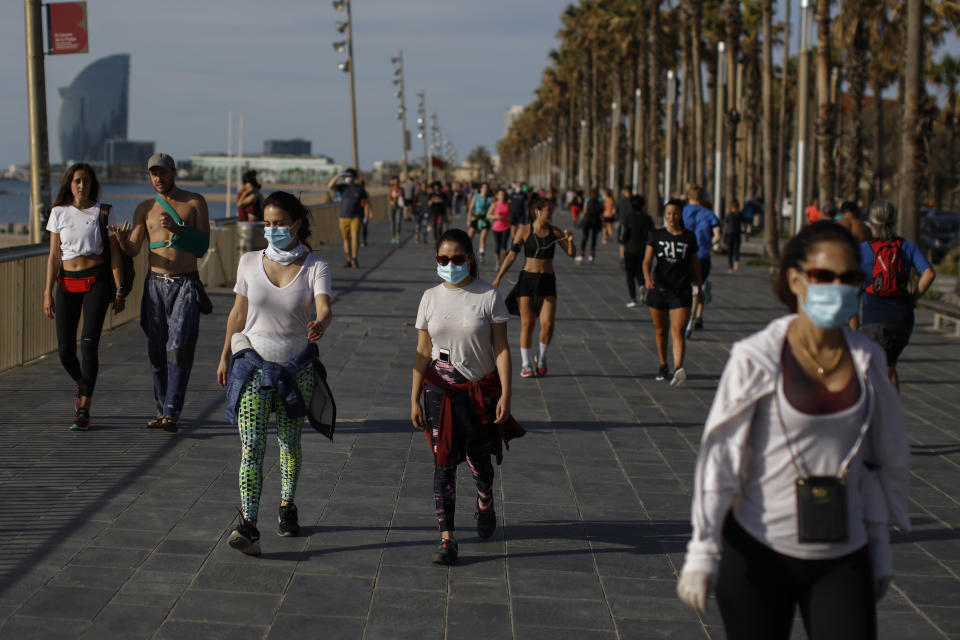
x: 536, y: 290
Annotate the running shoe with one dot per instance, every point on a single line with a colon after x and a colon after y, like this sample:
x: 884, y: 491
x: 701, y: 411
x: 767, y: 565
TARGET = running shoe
x: 631, y: 304
x: 526, y: 371
x: 698, y: 324
x: 245, y: 538
x: 446, y: 553
x: 289, y: 526
x: 578, y: 259
x: 542, y: 368
x: 591, y: 259
x: 348, y: 264
x: 679, y: 377
x: 689, y: 331
x: 486, y: 521
x: 81, y: 420
x: 663, y: 373
x: 356, y: 265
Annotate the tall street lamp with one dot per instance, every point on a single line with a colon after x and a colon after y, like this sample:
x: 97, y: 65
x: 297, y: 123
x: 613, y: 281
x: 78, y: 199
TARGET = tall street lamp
x: 803, y: 93
x: 422, y: 131
x: 347, y: 67
x: 402, y: 113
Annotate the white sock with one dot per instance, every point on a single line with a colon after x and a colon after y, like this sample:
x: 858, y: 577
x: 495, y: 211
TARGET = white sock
x: 543, y: 352
x: 525, y: 356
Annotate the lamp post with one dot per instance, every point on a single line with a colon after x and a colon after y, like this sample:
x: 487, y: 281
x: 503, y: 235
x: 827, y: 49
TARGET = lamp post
x: 803, y: 92
x: 671, y: 128
x: 402, y: 114
x: 436, y: 150
x: 582, y: 159
x: 348, y: 67
x: 614, y: 138
x: 422, y: 131
x: 637, y: 138
x: 721, y: 97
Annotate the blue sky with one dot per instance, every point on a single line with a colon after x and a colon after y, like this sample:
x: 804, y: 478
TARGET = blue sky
x: 194, y: 60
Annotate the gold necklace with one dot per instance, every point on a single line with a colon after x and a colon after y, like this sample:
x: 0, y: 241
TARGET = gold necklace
x: 821, y: 370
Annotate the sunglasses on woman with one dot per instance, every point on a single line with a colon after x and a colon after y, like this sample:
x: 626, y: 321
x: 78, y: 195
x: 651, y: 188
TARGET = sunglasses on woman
x: 826, y: 276
x: 457, y: 259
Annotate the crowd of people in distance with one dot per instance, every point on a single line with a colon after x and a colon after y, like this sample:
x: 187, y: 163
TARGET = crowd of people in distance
x: 804, y: 456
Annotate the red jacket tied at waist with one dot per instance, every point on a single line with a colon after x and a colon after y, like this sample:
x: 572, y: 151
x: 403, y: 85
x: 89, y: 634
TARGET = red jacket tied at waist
x: 488, y: 387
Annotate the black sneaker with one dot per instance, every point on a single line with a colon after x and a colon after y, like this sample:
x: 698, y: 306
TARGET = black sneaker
x: 446, y: 553
x: 81, y: 420
x: 663, y: 373
x: 486, y: 521
x: 289, y: 526
x: 698, y: 324
x: 245, y: 538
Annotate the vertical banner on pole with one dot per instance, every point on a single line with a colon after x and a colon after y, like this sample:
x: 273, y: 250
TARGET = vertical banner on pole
x: 67, y: 28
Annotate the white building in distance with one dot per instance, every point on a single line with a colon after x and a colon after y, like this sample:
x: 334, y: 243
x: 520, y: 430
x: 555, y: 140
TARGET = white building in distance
x: 512, y: 114
x: 212, y: 167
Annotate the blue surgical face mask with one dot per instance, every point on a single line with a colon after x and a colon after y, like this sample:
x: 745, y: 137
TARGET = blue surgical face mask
x: 452, y: 273
x: 278, y: 237
x: 831, y: 305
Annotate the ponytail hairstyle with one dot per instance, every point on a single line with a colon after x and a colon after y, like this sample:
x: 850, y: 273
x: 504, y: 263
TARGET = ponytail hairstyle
x: 295, y: 209
x: 882, y: 216
x: 65, y: 194
x: 460, y: 237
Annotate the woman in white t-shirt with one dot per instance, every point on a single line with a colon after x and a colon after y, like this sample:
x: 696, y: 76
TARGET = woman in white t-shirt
x: 281, y: 308
x: 462, y: 370
x: 84, y: 275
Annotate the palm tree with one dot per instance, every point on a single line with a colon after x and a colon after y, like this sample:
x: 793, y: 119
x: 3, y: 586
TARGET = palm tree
x: 853, y: 39
x: 732, y: 26
x: 825, y: 108
x: 910, y: 138
x: 770, y: 230
x: 479, y: 158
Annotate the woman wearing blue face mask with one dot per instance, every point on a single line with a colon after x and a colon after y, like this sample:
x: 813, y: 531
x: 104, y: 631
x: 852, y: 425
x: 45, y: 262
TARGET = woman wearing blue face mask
x: 269, y: 359
x: 804, y: 461
x: 462, y: 373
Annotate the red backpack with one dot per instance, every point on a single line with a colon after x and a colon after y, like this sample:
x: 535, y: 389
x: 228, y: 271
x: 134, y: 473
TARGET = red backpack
x: 890, y: 275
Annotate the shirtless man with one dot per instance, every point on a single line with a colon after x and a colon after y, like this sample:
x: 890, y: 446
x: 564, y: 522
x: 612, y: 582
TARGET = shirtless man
x: 169, y: 313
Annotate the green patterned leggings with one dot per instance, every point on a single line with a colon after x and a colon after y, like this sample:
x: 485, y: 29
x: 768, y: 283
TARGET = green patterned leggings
x: 254, y: 412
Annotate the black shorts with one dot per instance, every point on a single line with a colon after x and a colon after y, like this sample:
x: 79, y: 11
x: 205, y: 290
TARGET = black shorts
x: 531, y: 285
x: 704, y: 269
x: 892, y: 337
x: 517, y: 219
x: 665, y: 299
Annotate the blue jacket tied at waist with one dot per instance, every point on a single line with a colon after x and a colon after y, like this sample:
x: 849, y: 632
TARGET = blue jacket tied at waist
x: 283, y: 378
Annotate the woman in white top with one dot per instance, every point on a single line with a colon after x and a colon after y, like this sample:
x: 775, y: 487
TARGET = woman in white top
x: 803, y: 462
x: 84, y: 275
x: 282, y: 306
x: 462, y: 371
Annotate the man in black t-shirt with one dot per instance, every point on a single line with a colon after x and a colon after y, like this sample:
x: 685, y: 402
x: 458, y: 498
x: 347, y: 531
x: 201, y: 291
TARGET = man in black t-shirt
x: 354, y: 207
x: 635, y: 228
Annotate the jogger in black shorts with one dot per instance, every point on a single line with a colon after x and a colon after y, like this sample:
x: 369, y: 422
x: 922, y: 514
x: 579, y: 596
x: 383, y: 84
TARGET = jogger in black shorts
x: 668, y: 286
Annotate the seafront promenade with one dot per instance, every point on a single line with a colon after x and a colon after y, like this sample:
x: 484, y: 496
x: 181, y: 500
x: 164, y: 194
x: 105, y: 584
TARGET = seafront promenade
x: 120, y: 532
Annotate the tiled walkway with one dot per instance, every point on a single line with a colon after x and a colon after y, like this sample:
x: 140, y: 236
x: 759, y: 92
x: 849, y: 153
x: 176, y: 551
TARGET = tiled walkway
x: 120, y: 532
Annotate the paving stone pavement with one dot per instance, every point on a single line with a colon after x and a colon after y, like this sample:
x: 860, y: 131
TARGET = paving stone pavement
x: 120, y: 532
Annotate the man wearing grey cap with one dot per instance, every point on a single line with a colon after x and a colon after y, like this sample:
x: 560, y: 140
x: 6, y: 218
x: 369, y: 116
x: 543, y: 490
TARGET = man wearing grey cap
x: 177, y: 226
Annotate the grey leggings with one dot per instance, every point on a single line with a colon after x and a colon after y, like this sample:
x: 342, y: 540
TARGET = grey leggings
x: 396, y: 217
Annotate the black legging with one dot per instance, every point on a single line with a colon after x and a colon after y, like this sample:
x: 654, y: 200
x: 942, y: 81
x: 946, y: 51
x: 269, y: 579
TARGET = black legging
x: 589, y: 232
x: 733, y: 254
x: 633, y: 263
x: 501, y: 242
x: 93, y: 304
x: 396, y: 216
x: 758, y: 590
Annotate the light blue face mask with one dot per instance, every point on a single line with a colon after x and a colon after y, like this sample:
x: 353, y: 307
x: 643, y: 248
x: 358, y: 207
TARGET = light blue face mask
x: 452, y: 273
x: 278, y: 237
x: 831, y: 305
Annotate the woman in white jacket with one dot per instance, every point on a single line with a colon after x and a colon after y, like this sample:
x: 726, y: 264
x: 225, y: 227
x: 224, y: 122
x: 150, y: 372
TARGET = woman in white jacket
x: 803, y: 462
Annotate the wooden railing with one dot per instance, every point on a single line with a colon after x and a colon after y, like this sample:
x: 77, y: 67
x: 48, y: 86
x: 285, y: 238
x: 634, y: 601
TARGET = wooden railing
x: 26, y: 334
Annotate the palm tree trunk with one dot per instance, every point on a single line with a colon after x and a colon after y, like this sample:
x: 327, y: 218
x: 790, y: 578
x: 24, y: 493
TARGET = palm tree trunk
x: 771, y: 246
x: 654, y: 116
x: 910, y: 131
x: 877, y: 139
x: 700, y: 135
x: 825, y: 108
x: 732, y: 17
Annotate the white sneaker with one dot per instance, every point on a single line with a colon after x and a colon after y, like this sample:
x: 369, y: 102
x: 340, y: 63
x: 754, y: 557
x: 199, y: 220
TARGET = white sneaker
x: 631, y: 304
x: 578, y: 260
x: 679, y: 377
x: 591, y: 259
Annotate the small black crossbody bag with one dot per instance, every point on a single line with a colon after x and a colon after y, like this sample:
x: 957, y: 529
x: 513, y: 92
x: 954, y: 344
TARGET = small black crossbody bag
x: 822, y: 500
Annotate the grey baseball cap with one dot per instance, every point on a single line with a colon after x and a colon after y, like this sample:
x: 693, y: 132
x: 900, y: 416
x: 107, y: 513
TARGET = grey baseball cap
x: 161, y: 160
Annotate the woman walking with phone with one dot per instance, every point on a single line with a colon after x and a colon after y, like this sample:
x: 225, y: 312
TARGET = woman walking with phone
x: 84, y: 275
x: 461, y: 373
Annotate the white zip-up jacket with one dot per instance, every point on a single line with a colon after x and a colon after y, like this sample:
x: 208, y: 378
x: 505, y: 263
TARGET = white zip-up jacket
x: 876, y: 495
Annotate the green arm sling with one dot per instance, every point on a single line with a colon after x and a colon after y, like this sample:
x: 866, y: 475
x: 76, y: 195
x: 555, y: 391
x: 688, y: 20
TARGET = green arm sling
x: 189, y: 239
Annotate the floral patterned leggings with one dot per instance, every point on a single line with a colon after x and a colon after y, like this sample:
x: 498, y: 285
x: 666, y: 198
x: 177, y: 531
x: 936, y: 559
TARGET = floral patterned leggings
x: 254, y: 412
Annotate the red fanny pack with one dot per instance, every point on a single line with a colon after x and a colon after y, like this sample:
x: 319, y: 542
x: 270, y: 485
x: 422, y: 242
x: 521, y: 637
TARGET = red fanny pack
x: 71, y: 284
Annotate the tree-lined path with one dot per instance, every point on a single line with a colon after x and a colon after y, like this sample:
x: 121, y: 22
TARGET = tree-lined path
x: 120, y: 531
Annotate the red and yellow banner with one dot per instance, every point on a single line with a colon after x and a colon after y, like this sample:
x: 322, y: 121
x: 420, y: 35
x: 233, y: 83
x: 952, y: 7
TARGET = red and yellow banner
x: 67, y: 27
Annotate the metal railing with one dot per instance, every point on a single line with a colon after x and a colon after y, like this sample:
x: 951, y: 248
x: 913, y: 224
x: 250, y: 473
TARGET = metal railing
x: 27, y: 334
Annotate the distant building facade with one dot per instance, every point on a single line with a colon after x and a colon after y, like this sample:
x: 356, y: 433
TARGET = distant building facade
x: 512, y: 114
x: 94, y: 110
x: 300, y: 169
x: 128, y: 153
x: 294, y: 147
